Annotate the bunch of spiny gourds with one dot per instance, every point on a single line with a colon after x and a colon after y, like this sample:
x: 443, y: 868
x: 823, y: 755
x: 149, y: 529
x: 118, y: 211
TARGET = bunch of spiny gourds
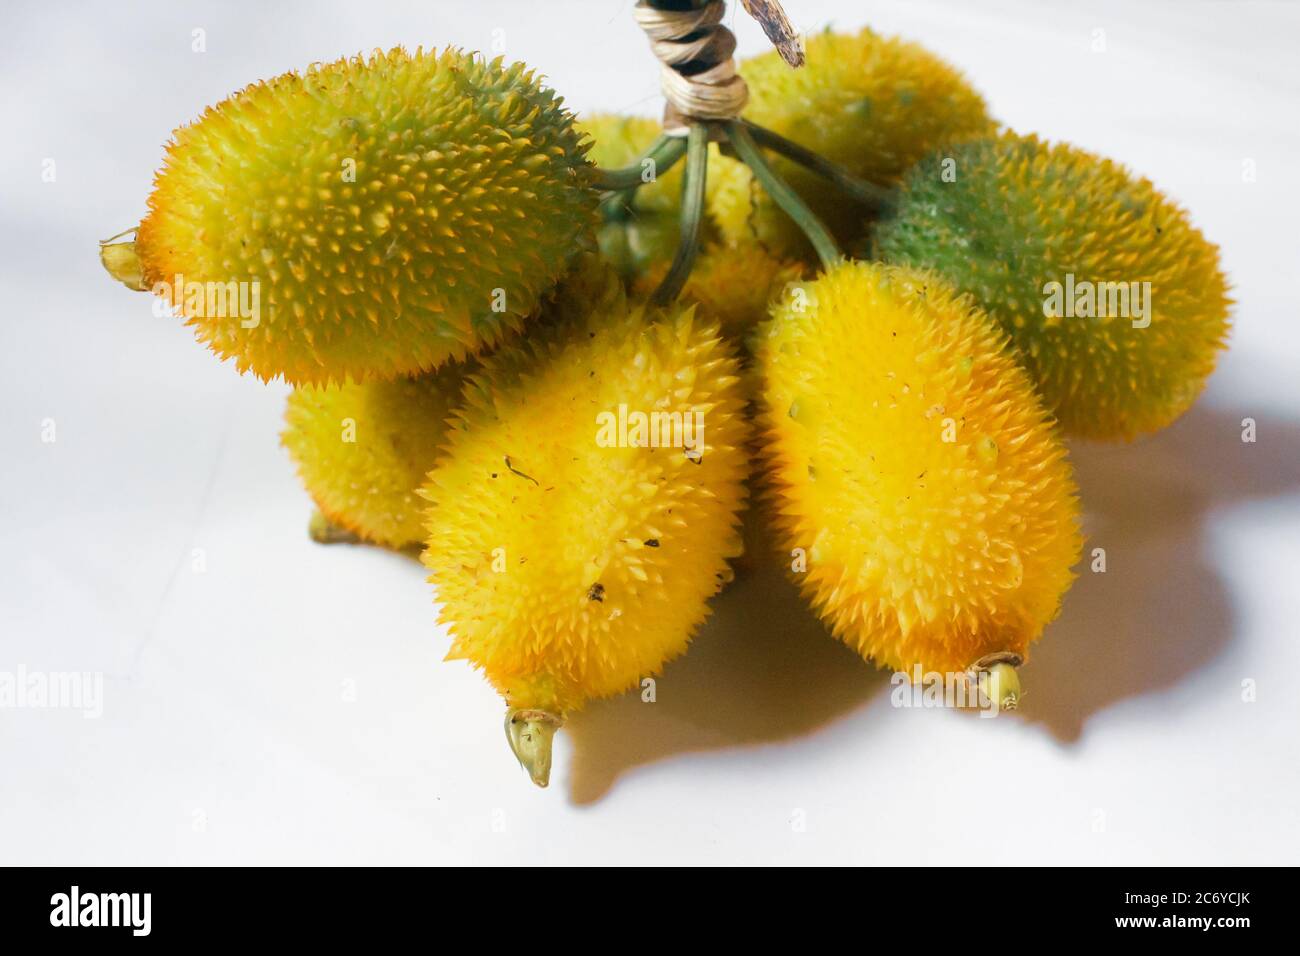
x: 482, y: 371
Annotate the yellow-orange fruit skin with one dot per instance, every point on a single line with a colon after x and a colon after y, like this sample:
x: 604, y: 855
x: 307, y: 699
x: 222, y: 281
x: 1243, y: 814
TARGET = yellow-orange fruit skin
x: 913, y: 465
x: 569, y: 568
x: 390, y: 214
x: 363, y: 449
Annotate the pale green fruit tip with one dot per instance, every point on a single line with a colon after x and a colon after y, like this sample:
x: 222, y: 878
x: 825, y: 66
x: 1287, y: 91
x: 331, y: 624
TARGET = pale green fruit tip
x: 1000, y: 685
x: 531, y: 733
x: 323, y: 531
x: 122, y: 263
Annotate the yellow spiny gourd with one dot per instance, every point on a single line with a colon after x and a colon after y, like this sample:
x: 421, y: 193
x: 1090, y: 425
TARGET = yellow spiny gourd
x: 363, y: 449
x: 873, y: 104
x: 635, y: 237
x: 586, y: 509
x: 914, y: 467
x: 1115, y: 301
x: 377, y: 216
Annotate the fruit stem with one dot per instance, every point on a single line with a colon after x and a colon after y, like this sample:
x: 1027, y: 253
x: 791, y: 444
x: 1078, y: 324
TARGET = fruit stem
x: 617, y: 207
x: 1001, y: 685
x: 664, y: 153
x: 324, y: 531
x: 697, y: 170
x: 869, y: 194
x: 531, y: 732
x: 785, y: 197
x: 121, y: 262
x: 998, y: 681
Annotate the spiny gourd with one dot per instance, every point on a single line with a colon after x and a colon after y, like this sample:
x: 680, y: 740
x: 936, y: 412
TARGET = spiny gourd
x: 573, y: 550
x: 733, y: 285
x: 636, y: 236
x: 390, y: 214
x: 363, y: 449
x: 871, y: 103
x: 913, y: 469
x: 1047, y: 238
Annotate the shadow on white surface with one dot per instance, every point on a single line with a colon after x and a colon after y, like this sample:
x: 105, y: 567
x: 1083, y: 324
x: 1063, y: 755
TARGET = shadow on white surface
x: 763, y: 669
x: 1161, y: 610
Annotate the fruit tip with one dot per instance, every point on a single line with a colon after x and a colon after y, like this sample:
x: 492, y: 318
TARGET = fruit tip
x: 531, y: 733
x: 324, y: 531
x: 999, y: 684
x: 121, y: 262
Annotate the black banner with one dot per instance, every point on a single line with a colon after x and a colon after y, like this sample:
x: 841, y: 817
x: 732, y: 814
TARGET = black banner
x: 333, y: 905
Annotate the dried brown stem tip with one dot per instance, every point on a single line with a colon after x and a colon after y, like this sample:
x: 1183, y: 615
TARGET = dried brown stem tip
x: 771, y: 17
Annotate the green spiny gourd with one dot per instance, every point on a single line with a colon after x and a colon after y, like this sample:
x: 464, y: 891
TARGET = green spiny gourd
x: 1114, y: 299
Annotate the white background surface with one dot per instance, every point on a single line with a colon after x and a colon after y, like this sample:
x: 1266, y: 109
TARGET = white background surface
x: 225, y: 737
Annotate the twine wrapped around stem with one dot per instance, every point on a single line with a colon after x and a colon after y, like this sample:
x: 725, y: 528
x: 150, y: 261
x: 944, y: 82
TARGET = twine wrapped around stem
x: 697, y: 54
x: 705, y: 96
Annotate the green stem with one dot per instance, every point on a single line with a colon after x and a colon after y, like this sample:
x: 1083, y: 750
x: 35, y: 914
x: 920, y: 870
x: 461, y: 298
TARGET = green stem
x: 617, y: 207
x: 869, y: 194
x: 664, y: 152
x: 697, y: 165
x: 785, y: 197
